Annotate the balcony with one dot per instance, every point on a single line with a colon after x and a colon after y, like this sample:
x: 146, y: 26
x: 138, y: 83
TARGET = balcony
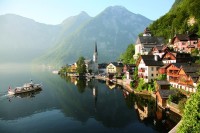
x: 173, y: 79
x: 185, y: 82
x: 172, y: 74
x: 141, y: 70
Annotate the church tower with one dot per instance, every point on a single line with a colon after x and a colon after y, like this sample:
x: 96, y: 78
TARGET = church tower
x: 95, y: 59
x: 95, y: 55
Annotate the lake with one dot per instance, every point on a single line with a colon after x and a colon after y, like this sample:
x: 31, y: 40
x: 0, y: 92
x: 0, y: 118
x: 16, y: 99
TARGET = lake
x: 75, y: 106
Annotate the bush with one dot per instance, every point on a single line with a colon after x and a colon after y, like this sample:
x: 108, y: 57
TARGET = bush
x: 132, y: 84
x: 191, y: 117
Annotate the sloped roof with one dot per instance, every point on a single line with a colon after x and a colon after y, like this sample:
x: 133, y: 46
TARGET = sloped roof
x: 166, y: 93
x: 160, y: 47
x: 117, y: 64
x: 182, y: 37
x: 180, y: 64
x: 150, y: 40
x: 131, y: 65
x: 185, y: 37
x: 88, y: 61
x: 180, y: 57
x: 149, y: 60
x: 192, y: 71
x: 162, y: 82
x: 102, y: 65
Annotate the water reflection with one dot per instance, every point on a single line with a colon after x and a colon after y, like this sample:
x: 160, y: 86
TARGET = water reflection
x: 77, y: 105
x: 24, y: 95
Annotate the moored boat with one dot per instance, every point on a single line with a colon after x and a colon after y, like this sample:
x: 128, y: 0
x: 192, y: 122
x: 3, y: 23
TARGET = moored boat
x: 27, y: 87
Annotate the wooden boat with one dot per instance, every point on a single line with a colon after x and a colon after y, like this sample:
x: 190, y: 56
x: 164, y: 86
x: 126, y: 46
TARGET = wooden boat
x: 27, y: 87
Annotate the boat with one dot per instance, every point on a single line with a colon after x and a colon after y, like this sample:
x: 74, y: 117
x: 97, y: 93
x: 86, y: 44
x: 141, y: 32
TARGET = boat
x: 27, y: 87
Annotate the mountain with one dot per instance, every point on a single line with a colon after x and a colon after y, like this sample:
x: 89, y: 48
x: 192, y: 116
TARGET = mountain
x: 23, y: 39
x: 113, y: 30
x: 183, y: 17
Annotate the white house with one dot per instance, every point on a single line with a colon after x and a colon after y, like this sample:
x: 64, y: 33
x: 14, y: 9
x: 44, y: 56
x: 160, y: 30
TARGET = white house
x: 148, y: 67
x: 145, y: 43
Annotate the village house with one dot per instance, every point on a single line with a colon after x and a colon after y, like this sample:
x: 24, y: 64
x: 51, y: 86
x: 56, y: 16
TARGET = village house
x: 102, y: 68
x: 114, y: 68
x: 172, y: 73
x: 145, y: 43
x: 162, y: 95
x: 148, y: 66
x: 72, y: 68
x: 188, y: 77
x: 162, y: 84
x: 176, y: 57
x: 128, y: 70
x: 182, y: 75
x: 159, y: 50
x: 185, y: 42
x: 163, y: 92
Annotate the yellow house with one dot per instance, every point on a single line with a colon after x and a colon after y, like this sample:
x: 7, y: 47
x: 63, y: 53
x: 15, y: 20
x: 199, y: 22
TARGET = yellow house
x: 73, y: 67
x: 114, y: 68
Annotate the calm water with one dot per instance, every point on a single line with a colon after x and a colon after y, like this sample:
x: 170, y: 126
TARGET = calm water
x: 67, y: 105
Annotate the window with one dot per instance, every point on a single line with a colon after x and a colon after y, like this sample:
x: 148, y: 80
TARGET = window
x: 152, y: 75
x: 152, y: 69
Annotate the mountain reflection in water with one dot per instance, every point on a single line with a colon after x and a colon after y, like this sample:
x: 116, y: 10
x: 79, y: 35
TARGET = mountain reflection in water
x: 71, y: 105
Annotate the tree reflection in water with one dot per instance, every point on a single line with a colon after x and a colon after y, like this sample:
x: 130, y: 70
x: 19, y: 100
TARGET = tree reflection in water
x: 110, y: 109
x: 81, y: 84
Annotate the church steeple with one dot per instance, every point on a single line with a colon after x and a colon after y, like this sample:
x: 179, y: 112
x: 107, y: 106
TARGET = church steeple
x: 95, y: 49
x: 95, y: 53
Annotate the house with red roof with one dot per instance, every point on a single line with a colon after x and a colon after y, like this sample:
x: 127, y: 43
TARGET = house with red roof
x: 185, y: 42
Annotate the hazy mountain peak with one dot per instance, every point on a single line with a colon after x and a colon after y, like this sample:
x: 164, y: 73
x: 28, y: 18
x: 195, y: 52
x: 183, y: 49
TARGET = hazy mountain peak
x: 83, y: 13
x: 119, y: 10
x: 80, y: 17
x: 116, y: 8
x: 14, y: 17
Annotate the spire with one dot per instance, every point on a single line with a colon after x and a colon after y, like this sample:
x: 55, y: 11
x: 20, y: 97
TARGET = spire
x: 95, y: 53
x: 95, y: 49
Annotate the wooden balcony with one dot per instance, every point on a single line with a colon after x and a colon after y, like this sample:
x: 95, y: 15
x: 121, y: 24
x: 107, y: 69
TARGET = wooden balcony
x: 172, y: 74
x: 186, y: 82
x: 174, y: 80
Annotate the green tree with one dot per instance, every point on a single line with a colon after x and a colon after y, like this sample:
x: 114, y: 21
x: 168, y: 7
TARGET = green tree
x: 162, y: 77
x: 127, y: 56
x: 191, y: 117
x: 176, y: 20
x: 81, y: 67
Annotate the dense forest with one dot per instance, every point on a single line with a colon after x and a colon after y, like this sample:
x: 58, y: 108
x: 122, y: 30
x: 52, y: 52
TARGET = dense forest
x: 183, y: 17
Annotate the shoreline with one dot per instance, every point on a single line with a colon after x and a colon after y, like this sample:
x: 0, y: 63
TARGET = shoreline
x: 131, y: 90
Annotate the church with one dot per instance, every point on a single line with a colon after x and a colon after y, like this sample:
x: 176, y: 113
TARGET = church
x: 92, y: 65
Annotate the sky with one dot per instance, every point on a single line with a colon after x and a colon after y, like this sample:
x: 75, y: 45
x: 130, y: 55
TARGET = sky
x: 56, y: 11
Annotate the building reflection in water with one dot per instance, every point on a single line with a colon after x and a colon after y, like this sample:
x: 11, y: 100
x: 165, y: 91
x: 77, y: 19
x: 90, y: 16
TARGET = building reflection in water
x: 73, y: 80
x: 148, y: 112
x: 142, y: 111
x: 95, y: 95
x: 111, y: 85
